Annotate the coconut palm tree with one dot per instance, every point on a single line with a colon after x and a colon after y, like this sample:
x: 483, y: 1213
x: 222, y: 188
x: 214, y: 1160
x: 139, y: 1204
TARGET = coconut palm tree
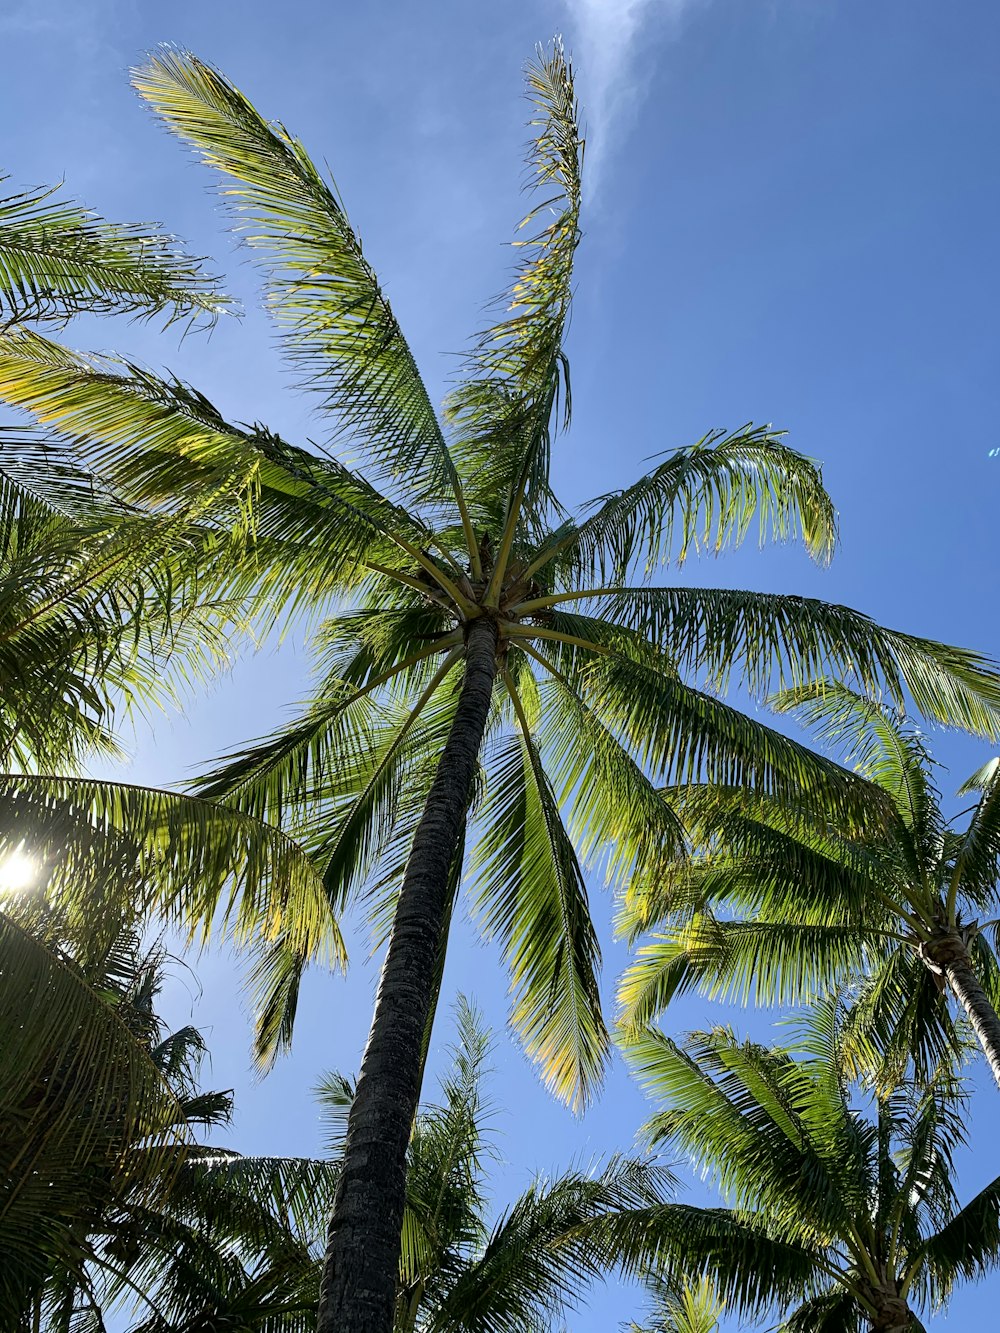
x: 781, y: 903
x: 90, y: 1127
x: 841, y: 1209
x: 696, y: 1308
x: 484, y: 643
x: 240, y: 1239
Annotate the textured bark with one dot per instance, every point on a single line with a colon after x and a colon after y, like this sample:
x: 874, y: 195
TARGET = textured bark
x: 948, y: 955
x: 893, y: 1316
x: 358, y: 1287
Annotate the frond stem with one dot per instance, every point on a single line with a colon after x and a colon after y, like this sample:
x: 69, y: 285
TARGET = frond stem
x: 515, y: 631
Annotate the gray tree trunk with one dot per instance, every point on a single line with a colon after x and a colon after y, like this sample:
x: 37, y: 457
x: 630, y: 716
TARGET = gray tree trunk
x: 948, y: 955
x: 358, y: 1286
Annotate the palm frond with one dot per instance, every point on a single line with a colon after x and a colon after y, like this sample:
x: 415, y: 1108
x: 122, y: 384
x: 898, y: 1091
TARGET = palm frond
x: 533, y: 897
x: 703, y: 497
x: 502, y: 414
x: 338, y: 326
x: 770, y: 640
x: 58, y: 259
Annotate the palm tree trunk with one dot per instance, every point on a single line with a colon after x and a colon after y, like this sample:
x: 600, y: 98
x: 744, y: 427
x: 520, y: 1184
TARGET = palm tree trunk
x: 893, y: 1317
x: 358, y: 1286
x: 948, y: 955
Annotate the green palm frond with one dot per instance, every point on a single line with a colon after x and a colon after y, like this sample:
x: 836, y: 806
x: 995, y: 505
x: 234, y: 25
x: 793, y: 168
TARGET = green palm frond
x: 878, y: 743
x: 203, y: 865
x: 338, y: 327
x: 156, y: 438
x: 517, y: 377
x: 78, y: 1087
x: 754, y: 961
x: 769, y: 640
x: 535, y: 900
x: 559, y: 1236
x: 829, y: 1312
x: 696, y: 1308
x: 58, y: 259
x: 704, y: 497
x: 101, y: 607
x: 613, y: 812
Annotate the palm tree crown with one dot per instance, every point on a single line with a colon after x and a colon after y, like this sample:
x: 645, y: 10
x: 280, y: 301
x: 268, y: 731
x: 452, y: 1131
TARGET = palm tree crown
x: 784, y: 902
x: 238, y: 1237
x: 843, y: 1213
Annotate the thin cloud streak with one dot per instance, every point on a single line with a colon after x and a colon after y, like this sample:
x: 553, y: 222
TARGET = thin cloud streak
x: 604, y: 40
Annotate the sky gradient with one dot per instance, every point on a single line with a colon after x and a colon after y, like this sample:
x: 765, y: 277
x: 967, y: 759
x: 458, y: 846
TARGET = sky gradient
x: 791, y: 218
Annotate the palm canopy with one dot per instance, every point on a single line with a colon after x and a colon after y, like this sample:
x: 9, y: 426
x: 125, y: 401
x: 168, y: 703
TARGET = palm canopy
x: 479, y: 643
x: 455, y: 523
x: 241, y: 1236
x: 97, y: 1102
x: 842, y: 1211
x: 782, y: 903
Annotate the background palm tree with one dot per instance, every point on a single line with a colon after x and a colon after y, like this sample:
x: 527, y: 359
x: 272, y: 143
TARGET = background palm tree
x: 695, y: 1308
x: 238, y: 1242
x: 843, y: 1212
x: 90, y: 1128
x: 488, y: 628
x: 781, y: 903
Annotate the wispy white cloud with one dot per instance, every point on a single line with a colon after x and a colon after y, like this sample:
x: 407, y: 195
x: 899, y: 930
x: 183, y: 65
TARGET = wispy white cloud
x: 605, y: 40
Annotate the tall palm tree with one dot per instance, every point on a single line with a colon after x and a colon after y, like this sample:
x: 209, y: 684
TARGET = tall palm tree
x: 782, y: 903
x: 241, y: 1238
x: 842, y: 1212
x: 487, y: 628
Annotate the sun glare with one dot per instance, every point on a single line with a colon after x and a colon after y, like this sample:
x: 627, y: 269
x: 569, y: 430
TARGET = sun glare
x: 17, y: 871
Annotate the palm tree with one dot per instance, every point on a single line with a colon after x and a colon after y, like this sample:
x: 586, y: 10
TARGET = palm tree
x: 90, y: 1127
x: 239, y: 1243
x: 106, y: 606
x: 783, y: 904
x: 842, y: 1208
x: 696, y: 1308
x: 486, y: 628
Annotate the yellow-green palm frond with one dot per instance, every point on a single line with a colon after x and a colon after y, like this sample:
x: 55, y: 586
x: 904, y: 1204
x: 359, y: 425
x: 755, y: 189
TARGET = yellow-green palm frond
x: 58, y: 259
x: 517, y: 377
x: 338, y: 326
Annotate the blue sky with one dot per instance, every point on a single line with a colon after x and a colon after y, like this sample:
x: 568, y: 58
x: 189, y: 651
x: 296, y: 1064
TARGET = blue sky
x: 791, y: 218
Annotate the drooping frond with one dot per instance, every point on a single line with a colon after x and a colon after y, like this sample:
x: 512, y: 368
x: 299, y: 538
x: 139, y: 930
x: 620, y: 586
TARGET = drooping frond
x: 533, y: 897
x: 102, y: 848
x: 613, y: 812
x: 705, y: 497
x: 879, y: 744
x: 768, y: 640
x: 339, y: 329
x: 759, y: 961
x: 58, y: 259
